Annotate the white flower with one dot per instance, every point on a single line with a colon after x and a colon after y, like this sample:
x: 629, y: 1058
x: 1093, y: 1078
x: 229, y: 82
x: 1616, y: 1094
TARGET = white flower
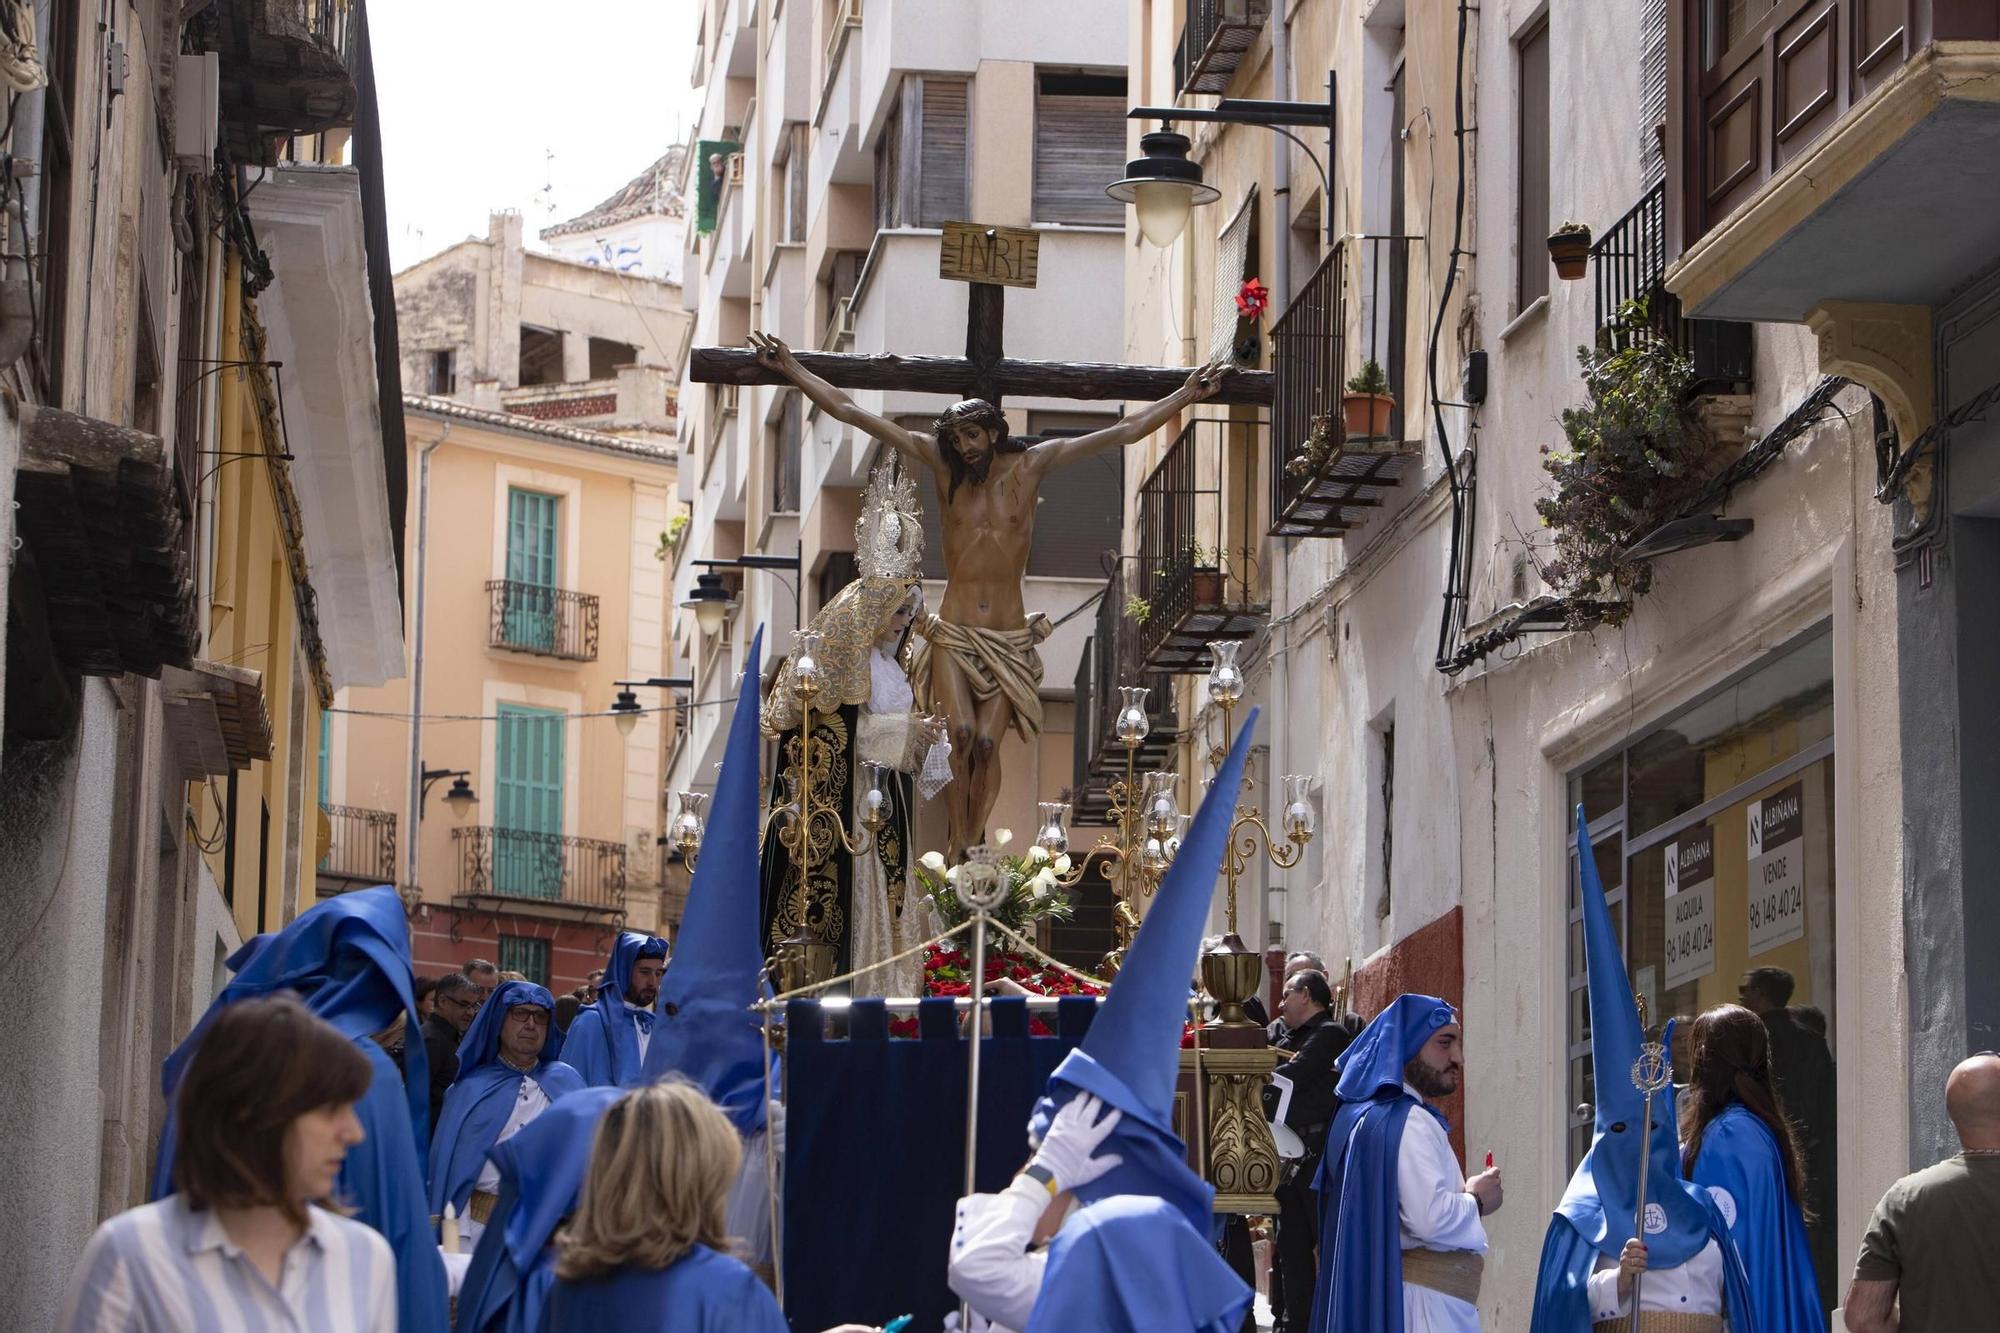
x: 1038, y: 853
x: 932, y: 862
x: 951, y: 875
x: 1044, y: 883
x: 1002, y: 836
x: 1061, y: 864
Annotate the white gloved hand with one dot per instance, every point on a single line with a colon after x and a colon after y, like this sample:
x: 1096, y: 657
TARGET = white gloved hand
x: 774, y: 1125
x: 1074, y: 1135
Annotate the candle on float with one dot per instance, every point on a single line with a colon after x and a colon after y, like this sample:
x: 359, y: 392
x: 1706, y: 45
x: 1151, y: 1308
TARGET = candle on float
x: 448, y: 1230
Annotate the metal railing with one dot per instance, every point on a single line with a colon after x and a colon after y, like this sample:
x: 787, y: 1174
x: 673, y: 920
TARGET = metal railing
x: 1110, y: 659
x: 544, y: 867
x: 1185, y: 562
x: 1307, y: 353
x: 549, y: 622
x: 361, y: 845
x: 1629, y: 263
x: 1214, y: 40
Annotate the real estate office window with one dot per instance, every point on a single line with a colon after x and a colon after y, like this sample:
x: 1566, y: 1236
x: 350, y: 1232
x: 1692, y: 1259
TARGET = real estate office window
x: 1532, y: 167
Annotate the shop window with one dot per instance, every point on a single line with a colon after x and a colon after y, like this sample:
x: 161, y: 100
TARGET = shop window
x: 1714, y: 836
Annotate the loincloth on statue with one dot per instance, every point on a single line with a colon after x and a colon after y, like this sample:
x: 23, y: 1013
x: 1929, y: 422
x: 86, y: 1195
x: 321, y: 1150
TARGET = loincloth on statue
x: 993, y: 661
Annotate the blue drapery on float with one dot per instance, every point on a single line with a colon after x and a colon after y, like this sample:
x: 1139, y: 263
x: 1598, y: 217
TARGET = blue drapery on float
x: 875, y: 1149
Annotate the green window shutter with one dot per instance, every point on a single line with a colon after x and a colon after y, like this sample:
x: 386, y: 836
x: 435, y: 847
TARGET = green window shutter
x: 528, y: 802
x: 531, y: 569
x: 529, y: 957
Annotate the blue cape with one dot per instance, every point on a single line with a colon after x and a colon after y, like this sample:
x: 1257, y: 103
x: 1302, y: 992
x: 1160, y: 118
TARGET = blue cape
x: 1597, y: 1214
x: 706, y: 1030
x: 1131, y: 1055
x: 507, y: 1285
x: 481, y: 1099
x: 701, y: 1292
x: 1132, y: 1264
x: 601, y: 1044
x: 1739, y: 1163
x: 348, y: 959
x: 1360, y: 1287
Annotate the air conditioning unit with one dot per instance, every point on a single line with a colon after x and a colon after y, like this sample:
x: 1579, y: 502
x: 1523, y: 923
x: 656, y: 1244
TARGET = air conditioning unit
x: 843, y: 318
x: 197, y: 99
x: 725, y: 399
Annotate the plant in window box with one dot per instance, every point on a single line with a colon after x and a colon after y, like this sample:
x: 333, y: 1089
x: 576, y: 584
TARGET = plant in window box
x: 1569, y: 250
x: 1638, y: 454
x: 1366, y: 407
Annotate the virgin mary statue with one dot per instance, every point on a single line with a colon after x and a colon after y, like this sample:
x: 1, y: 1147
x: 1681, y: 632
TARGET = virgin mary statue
x: 865, y: 714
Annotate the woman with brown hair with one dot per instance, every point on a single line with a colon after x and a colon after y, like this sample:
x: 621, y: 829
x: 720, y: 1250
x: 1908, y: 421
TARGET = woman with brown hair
x: 1739, y: 1146
x: 266, y: 1118
x: 646, y: 1246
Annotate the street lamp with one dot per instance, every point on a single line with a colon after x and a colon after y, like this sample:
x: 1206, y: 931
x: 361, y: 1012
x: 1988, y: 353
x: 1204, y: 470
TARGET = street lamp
x: 709, y: 601
x: 459, y: 796
x: 625, y: 709
x: 1165, y: 185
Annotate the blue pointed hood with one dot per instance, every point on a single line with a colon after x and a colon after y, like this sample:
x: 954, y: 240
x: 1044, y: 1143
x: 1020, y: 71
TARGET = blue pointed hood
x: 706, y: 1031
x: 1376, y: 1058
x: 1130, y: 1057
x: 1603, y: 1195
x: 631, y: 947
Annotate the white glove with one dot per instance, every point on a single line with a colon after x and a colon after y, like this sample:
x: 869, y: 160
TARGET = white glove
x: 774, y: 1125
x: 1074, y: 1135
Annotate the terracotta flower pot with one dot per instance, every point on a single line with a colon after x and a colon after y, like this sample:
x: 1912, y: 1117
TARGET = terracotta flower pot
x: 1366, y: 415
x: 1570, y: 252
x: 1208, y: 587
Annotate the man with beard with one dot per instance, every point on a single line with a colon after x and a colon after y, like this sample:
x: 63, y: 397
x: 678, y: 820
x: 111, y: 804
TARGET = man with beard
x: 607, y: 1042
x: 1401, y: 1244
x: 979, y: 666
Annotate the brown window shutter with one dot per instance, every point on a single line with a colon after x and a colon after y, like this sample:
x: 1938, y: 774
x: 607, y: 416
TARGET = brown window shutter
x: 942, y: 156
x: 1079, y: 149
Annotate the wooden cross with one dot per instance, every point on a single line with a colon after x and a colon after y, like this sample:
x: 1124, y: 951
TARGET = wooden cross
x: 991, y: 259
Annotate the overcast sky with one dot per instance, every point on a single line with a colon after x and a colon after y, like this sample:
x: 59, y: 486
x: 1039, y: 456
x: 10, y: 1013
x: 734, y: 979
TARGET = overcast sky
x: 476, y: 93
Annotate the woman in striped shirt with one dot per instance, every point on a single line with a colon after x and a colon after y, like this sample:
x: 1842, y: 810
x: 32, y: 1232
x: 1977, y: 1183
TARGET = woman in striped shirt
x: 266, y: 1116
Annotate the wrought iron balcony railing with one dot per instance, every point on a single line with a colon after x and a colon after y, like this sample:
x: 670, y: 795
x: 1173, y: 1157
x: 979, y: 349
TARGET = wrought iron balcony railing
x: 1110, y: 659
x: 1194, y: 583
x: 1218, y: 34
x: 362, y: 845
x: 549, y: 622
x: 540, y: 867
x: 287, y: 68
x: 1629, y: 264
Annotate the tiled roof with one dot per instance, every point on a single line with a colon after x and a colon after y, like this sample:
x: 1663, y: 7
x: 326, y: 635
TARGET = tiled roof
x: 548, y: 430
x: 654, y: 190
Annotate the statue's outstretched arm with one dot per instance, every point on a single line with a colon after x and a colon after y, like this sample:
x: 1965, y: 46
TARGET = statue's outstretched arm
x: 1202, y: 383
x: 773, y: 355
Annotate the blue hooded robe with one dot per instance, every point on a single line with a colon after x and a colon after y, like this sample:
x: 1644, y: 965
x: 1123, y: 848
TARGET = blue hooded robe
x: 602, y: 1045
x: 701, y: 1292
x: 481, y: 1099
x: 1360, y: 1287
x: 348, y: 960
x: 1597, y: 1213
x: 706, y: 1031
x: 513, y: 1269
x: 1742, y: 1169
x: 1136, y: 1255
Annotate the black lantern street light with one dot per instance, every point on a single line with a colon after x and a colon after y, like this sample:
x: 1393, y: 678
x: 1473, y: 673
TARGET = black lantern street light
x: 625, y: 709
x: 459, y: 796
x: 1164, y: 185
x: 710, y: 601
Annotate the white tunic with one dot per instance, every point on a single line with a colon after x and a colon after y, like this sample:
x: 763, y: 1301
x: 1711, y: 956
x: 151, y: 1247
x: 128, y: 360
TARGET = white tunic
x: 1437, y: 1214
x: 1693, y: 1288
x: 991, y: 1267
x: 644, y: 1034
x: 876, y: 932
x: 531, y: 1102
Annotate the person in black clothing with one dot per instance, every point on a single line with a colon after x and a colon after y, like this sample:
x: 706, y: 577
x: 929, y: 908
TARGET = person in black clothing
x: 1803, y: 1074
x: 1314, y: 1039
x: 454, y: 1002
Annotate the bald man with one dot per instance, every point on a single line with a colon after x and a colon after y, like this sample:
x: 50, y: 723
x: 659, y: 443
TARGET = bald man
x: 1930, y: 1244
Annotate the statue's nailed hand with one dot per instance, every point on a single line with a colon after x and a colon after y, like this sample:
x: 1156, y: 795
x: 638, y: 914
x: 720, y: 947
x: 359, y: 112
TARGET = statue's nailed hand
x: 772, y: 354
x: 1206, y: 381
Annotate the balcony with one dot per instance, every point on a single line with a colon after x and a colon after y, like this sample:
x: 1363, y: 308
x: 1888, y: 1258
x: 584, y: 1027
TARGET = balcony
x: 1629, y: 263
x: 1217, y: 36
x: 360, y: 849
x: 287, y: 69
x: 1196, y: 570
x: 548, y: 622
x: 1335, y: 455
x: 587, y: 874
x: 1110, y: 659
x: 1831, y: 151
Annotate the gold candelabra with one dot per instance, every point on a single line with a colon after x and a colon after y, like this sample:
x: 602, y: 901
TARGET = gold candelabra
x: 812, y: 830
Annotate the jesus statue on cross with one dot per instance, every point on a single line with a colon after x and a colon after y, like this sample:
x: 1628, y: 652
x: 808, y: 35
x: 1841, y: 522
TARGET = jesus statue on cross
x: 979, y: 666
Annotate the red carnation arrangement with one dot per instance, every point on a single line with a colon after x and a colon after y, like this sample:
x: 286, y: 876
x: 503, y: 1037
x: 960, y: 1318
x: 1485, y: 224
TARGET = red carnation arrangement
x: 1253, y: 298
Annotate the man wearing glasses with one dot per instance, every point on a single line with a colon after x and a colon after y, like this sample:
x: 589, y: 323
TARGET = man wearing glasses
x: 456, y: 1001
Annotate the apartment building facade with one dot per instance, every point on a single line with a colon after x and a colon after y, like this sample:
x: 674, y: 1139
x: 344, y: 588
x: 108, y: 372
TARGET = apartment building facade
x: 840, y: 142
x: 207, y: 519
x: 1449, y: 694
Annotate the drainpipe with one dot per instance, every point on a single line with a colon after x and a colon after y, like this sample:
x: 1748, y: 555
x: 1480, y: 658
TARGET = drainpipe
x: 411, y: 841
x: 211, y: 419
x: 1281, y: 292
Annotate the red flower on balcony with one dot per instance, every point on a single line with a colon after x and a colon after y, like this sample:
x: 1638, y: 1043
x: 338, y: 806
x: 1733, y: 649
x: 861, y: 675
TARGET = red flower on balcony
x: 1253, y: 298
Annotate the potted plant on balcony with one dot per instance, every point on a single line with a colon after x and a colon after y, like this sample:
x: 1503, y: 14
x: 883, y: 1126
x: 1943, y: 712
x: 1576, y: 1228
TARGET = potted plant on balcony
x: 1206, y: 562
x: 1138, y: 608
x: 1569, y: 250
x: 1366, y: 407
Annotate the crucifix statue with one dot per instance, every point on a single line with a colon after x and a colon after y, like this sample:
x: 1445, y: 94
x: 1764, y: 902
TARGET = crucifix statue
x: 980, y: 661
x: 979, y: 666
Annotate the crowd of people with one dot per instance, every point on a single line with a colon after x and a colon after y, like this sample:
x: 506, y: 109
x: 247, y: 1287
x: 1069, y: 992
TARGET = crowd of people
x: 545, y: 1168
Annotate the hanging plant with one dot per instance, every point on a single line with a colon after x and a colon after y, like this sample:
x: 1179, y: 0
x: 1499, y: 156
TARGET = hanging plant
x: 670, y: 540
x: 1637, y: 455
